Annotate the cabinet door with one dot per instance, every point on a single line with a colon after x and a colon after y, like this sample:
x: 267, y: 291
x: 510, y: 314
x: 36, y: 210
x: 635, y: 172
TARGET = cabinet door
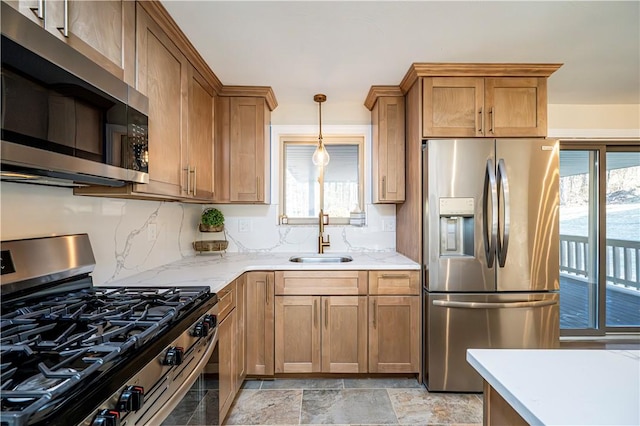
x: 297, y: 334
x: 241, y: 341
x: 199, y: 166
x: 388, y: 150
x: 248, y: 150
x: 452, y: 106
x: 260, y: 317
x: 516, y: 106
x: 344, y: 334
x: 226, y: 343
x: 162, y: 76
x: 104, y: 31
x: 394, y: 326
x: 31, y: 9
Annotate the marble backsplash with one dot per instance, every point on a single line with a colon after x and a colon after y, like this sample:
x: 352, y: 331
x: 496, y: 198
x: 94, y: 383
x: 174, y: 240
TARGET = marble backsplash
x: 125, y: 242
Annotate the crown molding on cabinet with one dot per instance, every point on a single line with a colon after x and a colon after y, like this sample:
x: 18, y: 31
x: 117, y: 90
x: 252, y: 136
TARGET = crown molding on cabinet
x: 251, y: 91
x: 420, y: 69
x: 377, y: 91
x: 160, y: 15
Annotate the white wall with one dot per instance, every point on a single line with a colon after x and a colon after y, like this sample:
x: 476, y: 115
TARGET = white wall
x: 594, y: 121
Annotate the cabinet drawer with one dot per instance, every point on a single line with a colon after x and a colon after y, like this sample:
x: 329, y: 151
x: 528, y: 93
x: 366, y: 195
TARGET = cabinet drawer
x: 321, y: 282
x: 394, y: 282
x: 226, y: 300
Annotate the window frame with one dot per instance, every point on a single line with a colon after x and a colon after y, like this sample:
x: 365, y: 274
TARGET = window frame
x: 304, y: 139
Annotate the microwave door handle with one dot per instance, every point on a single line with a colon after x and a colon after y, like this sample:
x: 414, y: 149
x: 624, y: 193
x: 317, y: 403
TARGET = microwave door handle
x: 490, y: 236
x: 503, y: 240
x: 497, y: 305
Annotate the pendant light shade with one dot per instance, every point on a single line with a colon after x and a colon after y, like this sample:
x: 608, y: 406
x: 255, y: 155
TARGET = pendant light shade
x: 320, y: 156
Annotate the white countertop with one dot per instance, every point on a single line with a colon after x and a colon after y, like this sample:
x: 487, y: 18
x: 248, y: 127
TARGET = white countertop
x: 217, y: 271
x: 565, y: 386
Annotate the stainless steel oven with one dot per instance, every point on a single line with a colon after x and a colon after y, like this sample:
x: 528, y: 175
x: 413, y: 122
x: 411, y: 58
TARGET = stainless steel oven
x: 73, y: 353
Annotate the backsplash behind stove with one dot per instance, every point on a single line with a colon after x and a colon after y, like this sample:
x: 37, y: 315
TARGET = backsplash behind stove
x: 123, y: 245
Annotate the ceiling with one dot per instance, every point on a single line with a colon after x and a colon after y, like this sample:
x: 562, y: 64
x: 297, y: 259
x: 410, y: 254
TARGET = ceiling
x: 341, y: 48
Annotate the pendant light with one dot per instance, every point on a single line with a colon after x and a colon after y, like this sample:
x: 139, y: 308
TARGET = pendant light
x: 320, y: 156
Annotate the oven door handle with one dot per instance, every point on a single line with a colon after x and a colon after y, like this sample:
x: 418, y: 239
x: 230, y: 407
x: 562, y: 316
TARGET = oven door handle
x: 181, y: 392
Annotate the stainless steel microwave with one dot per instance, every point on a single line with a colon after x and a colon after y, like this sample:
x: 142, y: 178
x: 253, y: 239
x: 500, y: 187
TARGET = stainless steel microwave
x: 65, y: 120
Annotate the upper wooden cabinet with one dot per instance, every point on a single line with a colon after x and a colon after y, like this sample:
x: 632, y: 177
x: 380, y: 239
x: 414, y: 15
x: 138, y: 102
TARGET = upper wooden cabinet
x: 104, y: 31
x: 198, y: 167
x: 243, y: 145
x: 480, y: 100
x: 387, y: 155
x: 475, y: 106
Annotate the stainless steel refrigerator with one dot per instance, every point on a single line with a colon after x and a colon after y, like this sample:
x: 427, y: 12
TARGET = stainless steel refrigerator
x: 490, y: 252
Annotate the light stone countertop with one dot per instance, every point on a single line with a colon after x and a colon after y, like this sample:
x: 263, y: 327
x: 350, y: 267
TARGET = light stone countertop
x: 565, y: 386
x: 217, y: 271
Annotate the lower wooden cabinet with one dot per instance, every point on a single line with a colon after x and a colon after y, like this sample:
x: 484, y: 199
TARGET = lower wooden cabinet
x: 321, y: 334
x: 241, y: 336
x: 394, y: 334
x: 260, y: 323
x: 226, y: 350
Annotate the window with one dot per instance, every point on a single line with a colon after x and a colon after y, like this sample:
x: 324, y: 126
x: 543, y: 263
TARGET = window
x: 343, y: 179
x: 599, y: 238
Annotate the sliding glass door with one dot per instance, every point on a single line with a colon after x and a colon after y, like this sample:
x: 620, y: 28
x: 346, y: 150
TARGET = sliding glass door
x: 599, y: 238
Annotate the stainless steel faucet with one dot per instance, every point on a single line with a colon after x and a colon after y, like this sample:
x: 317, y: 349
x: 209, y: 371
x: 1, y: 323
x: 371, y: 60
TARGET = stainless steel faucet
x: 321, y: 242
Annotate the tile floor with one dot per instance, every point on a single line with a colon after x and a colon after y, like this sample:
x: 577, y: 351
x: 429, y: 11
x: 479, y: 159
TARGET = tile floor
x: 331, y: 401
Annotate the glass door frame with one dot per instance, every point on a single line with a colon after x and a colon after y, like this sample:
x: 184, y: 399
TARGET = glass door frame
x: 601, y: 147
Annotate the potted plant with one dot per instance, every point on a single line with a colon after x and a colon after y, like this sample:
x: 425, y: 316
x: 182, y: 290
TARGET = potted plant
x: 212, y: 220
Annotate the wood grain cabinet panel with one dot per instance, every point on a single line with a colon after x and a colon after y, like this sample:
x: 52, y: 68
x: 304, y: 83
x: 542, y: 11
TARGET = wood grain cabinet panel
x: 297, y: 334
x: 484, y: 107
x: 260, y: 323
x: 163, y: 78
x: 453, y: 106
x: 394, y: 282
x: 321, y: 334
x: 517, y: 106
x: 394, y: 338
x: 344, y: 334
x: 226, y: 350
x: 387, y: 119
x: 339, y: 283
x: 198, y: 169
x: 103, y: 31
x: 241, y: 336
x: 242, y: 150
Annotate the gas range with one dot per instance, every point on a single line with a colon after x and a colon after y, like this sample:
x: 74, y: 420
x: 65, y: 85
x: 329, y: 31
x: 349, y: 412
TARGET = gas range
x: 77, y: 354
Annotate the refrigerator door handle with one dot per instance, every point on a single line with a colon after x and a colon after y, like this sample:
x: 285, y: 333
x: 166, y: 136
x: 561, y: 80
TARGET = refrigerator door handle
x: 490, y: 237
x: 497, y: 305
x: 503, y: 240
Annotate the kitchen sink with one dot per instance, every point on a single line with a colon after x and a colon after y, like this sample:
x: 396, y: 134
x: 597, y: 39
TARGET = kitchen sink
x: 320, y: 259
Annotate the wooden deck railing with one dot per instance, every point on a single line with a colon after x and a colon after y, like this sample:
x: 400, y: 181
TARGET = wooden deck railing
x: 622, y: 265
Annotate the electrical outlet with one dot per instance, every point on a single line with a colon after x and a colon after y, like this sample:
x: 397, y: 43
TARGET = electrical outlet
x: 388, y: 225
x: 245, y: 225
x: 152, y: 231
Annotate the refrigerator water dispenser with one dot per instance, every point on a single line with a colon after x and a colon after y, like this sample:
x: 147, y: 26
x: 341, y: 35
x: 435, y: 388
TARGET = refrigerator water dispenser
x: 456, y: 226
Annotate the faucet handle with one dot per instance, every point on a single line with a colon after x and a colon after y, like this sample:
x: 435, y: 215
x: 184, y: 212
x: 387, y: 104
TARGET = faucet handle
x: 325, y: 218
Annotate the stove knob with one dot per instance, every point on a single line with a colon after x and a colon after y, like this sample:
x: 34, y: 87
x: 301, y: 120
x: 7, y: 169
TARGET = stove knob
x: 106, y: 418
x: 212, y: 320
x: 131, y: 399
x: 201, y: 329
x: 174, y: 356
